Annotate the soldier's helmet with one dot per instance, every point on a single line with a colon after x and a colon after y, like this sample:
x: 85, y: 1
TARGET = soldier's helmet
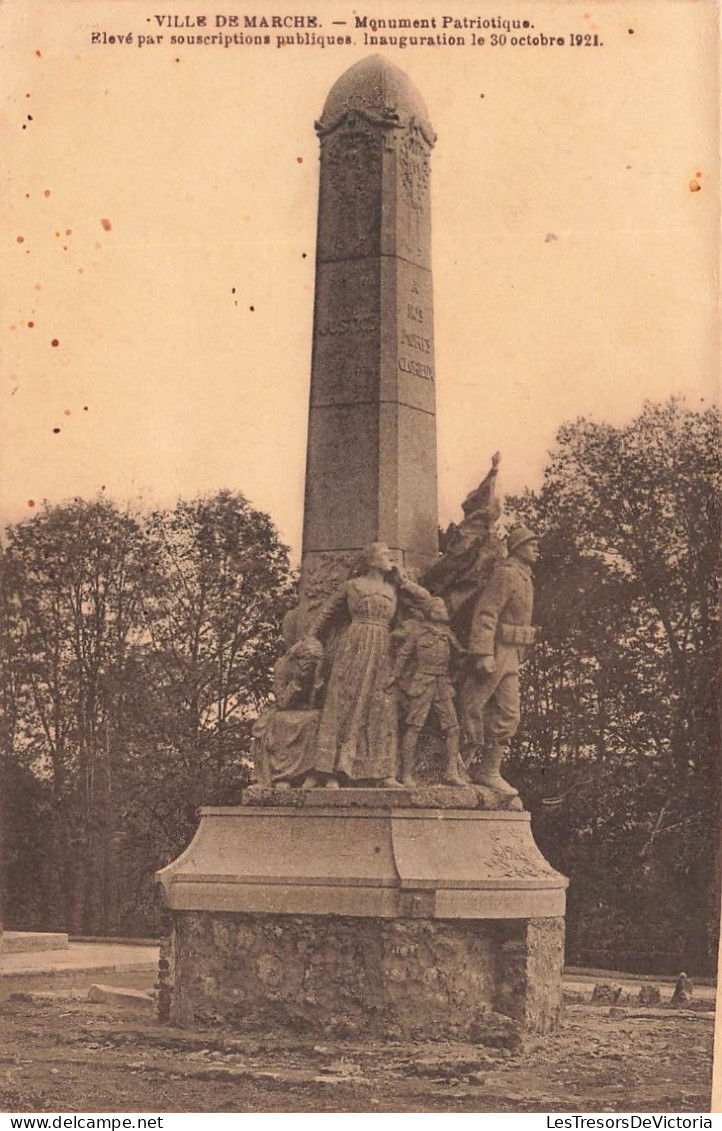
x: 518, y: 536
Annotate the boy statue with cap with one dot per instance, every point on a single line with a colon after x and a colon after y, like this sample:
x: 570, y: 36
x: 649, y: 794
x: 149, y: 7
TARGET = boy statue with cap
x: 421, y: 672
x: 501, y: 633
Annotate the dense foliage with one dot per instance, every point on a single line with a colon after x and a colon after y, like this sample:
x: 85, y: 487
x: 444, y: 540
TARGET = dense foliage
x: 137, y: 652
x: 619, y: 751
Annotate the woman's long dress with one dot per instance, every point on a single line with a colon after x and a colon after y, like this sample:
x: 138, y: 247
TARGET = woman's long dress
x: 357, y: 734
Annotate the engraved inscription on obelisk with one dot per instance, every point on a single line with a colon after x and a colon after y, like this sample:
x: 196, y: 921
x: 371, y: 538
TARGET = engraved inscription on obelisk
x: 371, y: 464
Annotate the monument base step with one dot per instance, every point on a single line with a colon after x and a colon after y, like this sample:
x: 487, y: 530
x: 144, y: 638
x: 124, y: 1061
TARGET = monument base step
x: 19, y: 942
x: 426, y: 979
x: 422, y: 796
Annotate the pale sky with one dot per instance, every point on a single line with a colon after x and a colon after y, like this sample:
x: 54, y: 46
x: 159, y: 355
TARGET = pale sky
x: 574, y: 259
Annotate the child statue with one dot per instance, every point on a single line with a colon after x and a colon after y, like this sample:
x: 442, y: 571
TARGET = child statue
x: 421, y: 672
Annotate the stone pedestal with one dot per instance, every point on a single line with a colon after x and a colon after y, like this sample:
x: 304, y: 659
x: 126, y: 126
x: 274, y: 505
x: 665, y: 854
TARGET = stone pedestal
x: 367, y: 911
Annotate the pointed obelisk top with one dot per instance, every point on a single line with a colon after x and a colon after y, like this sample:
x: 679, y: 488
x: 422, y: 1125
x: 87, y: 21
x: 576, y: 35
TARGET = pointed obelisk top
x: 380, y: 90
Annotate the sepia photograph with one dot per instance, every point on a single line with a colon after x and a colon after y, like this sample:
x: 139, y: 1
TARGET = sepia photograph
x: 360, y: 510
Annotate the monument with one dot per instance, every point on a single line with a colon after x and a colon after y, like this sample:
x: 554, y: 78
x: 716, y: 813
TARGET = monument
x: 371, y: 464
x: 346, y: 893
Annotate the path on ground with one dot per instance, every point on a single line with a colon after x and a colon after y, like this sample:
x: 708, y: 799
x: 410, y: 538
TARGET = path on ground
x: 62, y: 1053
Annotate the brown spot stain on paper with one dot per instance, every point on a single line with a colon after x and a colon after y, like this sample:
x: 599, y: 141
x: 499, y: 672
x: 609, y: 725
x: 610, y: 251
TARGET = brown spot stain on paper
x: 106, y: 225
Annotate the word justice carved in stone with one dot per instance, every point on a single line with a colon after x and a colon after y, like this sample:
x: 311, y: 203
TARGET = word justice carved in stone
x: 356, y: 324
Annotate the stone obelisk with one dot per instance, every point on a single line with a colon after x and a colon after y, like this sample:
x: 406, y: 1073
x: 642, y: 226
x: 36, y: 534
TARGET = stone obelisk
x: 371, y: 464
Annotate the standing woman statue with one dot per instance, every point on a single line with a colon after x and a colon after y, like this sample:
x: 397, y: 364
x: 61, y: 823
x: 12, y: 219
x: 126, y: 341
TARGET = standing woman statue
x: 357, y: 734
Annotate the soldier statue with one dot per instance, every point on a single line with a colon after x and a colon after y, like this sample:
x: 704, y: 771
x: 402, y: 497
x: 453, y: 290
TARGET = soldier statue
x: 500, y: 635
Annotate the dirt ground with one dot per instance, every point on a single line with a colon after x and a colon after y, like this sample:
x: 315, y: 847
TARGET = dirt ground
x: 60, y: 1053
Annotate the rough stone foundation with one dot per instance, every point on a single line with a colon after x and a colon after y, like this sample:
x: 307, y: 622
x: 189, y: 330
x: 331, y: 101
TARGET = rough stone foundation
x: 343, y: 976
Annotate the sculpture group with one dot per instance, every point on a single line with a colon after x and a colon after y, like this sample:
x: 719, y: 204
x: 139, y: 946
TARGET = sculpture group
x: 387, y: 656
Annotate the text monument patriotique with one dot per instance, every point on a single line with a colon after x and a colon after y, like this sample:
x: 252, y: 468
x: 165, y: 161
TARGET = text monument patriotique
x: 352, y: 890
